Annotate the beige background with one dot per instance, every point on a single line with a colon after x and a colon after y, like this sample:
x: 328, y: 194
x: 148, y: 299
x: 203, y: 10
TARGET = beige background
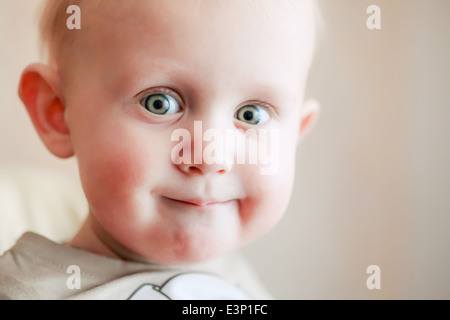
x: 373, y: 178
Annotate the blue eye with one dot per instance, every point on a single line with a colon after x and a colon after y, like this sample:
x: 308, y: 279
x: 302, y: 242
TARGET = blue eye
x: 160, y: 104
x: 252, y: 114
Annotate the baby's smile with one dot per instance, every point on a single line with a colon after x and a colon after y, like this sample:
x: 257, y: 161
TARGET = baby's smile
x: 199, y: 202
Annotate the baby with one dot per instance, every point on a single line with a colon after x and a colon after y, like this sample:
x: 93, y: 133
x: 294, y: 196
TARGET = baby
x: 132, y: 95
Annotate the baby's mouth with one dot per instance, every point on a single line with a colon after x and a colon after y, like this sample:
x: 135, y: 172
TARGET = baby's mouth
x: 198, y: 202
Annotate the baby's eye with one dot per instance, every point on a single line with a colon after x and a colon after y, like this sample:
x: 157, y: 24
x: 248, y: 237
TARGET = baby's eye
x: 252, y: 114
x: 160, y: 104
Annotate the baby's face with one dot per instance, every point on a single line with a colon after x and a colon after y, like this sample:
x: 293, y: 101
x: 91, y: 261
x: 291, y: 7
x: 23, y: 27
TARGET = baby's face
x: 143, y: 70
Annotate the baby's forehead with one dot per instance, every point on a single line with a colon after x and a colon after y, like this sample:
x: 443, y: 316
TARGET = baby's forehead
x: 256, y: 19
x: 276, y: 13
x: 53, y: 20
x: 197, y: 5
x: 141, y: 27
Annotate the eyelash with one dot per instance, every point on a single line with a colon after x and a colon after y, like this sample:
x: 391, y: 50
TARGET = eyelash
x: 161, y: 90
x: 272, y: 110
x: 260, y: 103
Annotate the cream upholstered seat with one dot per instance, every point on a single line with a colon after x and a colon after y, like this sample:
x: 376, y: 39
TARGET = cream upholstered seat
x: 48, y: 202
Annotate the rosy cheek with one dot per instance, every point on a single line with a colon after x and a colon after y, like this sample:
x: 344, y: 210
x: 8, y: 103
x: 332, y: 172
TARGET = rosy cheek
x: 270, y: 194
x: 110, y: 168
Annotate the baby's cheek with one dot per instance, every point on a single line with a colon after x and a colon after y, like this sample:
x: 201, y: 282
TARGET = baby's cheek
x: 265, y: 204
x: 114, y: 173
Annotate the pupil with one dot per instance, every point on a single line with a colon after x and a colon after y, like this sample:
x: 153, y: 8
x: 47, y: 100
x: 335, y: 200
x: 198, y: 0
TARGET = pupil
x: 158, y: 104
x: 248, y: 115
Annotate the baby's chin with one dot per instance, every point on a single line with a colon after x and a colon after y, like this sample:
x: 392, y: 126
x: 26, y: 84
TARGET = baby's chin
x: 196, y: 250
x: 190, y: 256
x: 189, y: 252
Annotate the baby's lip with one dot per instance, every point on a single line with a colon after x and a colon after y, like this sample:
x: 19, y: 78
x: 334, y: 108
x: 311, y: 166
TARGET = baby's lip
x: 199, y: 202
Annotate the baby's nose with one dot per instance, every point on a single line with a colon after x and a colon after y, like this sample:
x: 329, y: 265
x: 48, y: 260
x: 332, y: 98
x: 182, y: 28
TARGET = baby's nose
x: 205, y: 169
x: 202, y: 151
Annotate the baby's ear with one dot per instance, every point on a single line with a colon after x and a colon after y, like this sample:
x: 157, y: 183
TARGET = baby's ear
x: 310, y: 113
x: 39, y: 90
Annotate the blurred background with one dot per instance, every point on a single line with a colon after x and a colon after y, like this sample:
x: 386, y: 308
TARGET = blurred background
x: 373, y: 179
